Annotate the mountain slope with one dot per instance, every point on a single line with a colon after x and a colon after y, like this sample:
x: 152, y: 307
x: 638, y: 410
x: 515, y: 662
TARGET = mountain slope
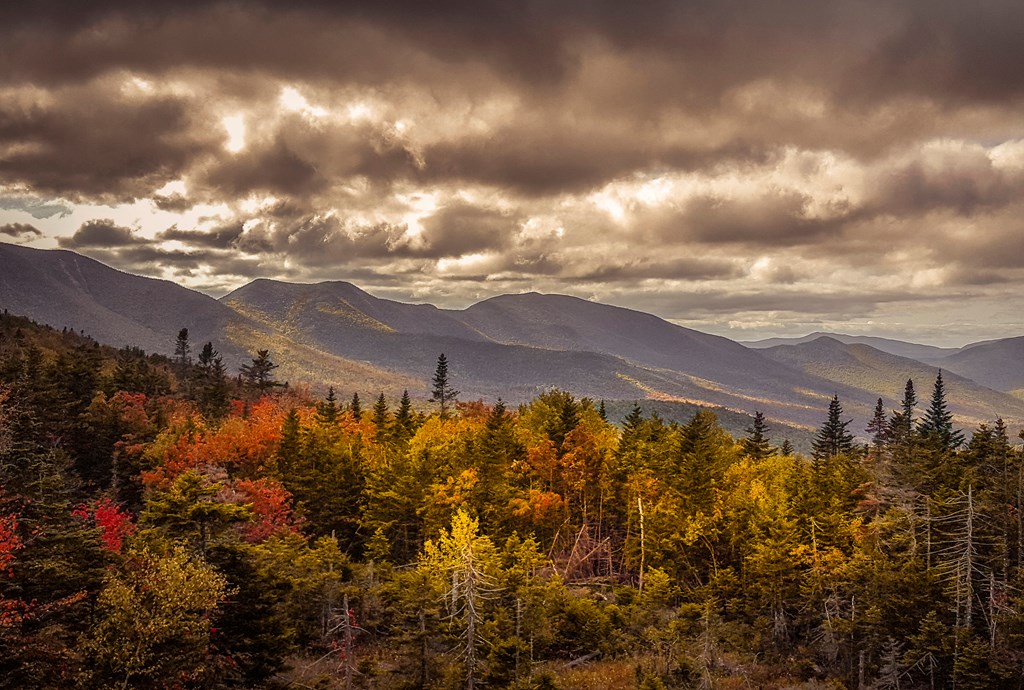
x: 900, y: 348
x: 61, y: 288
x: 997, y: 364
x: 513, y: 346
x: 884, y: 374
x: 519, y: 345
x: 65, y: 289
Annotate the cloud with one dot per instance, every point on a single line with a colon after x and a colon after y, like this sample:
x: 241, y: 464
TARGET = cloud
x: 20, y: 230
x: 40, y: 209
x: 462, y: 228
x: 92, y: 141
x: 667, y: 151
x: 101, y: 234
x: 222, y: 237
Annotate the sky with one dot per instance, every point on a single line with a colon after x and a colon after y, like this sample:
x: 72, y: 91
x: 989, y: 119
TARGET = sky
x: 741, y: 167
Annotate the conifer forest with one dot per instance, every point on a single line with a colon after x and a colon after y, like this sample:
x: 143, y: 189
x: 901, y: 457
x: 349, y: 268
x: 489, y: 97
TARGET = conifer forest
x: 168, y: 523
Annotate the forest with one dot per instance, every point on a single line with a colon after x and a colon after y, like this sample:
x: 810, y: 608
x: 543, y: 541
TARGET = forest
x: 167, y: 523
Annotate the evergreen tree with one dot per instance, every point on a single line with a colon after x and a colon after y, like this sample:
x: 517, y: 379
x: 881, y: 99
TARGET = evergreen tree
x: 786, y: 448
x: 327, y: 410
x: 289, y: 448
x: 833, y: 439
x: 878, y: 428
x: 183, y: 360
x: 443, y: 392
x: 380, y: 418
x: 258, y: 375
x: 356, y: 408
x: 214, y: 394
x: 936, y: 427
x: 405, y: 419
x: 757, y: 443
x: 901, y: 426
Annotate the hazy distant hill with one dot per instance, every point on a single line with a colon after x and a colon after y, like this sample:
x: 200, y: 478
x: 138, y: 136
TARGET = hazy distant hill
x: 900, y: 348
x: 997, y: 364
x: 867, y: 368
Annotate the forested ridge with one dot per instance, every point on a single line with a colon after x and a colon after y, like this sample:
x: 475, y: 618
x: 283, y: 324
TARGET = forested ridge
x: 167, y: 523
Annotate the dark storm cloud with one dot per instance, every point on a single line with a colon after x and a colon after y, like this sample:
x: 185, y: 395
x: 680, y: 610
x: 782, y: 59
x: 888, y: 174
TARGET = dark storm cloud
x: 93, y: 142
x: 101, y: 234
x: 273, y: 169
x: 966, y: 185
x: 462, y: 228
x: 775, y: 218
x: 301, y: 158
x: 319, y: 240
x: 962, y: 52
x: 174, y: 203
x: 680, y: 269
x: 688, y: 305
x: 218, y: 238
x: 20, y: 230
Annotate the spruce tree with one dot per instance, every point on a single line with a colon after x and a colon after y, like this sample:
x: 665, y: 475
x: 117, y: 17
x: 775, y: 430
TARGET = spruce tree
x: 214, y: 393
x: 356, y: 408
x: 405, y: 419
x: 833, y: 439
x: 901, y: 425
x: 878, y: 428
x: 183, y: 360
x: 757, y: 444
x: 936, y: 427
x: 443, y: 392
x: 380, y: 418
x: 258, y: 375
x: 327, y: 410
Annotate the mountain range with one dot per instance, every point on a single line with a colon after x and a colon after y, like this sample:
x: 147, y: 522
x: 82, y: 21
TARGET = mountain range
x: 514, y: 346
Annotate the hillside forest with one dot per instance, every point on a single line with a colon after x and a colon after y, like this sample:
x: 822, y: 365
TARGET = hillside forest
x: 166, y: 523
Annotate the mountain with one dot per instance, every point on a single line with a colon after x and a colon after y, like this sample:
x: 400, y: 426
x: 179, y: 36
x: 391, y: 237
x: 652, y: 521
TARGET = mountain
x: 871, y: 370
x: 998, y: 364
x: 900, y: 348
x: 64, y: 289
x: 519, y: 345
x: 514, y: 346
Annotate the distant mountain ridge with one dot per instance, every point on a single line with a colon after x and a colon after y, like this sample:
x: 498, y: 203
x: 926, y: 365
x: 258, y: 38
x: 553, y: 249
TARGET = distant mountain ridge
x: 900, y: 348
x: 865, y: 367
x: 513, y: 346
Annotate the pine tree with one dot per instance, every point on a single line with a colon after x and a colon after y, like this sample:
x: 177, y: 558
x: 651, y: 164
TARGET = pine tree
x: 380, y: 418
x: 214, y: 392
x: 936, y: 427
x: 901, y: 426
x: 356, y: 408
x: 833, y: 439
x: 405, y: 419
x: 786, y: 448
x: 257, y: 376
x: 878, y: 428
x: 327, y: 410
x: 443, y: 392
x: 757, y: 444
x: 183, y: 360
